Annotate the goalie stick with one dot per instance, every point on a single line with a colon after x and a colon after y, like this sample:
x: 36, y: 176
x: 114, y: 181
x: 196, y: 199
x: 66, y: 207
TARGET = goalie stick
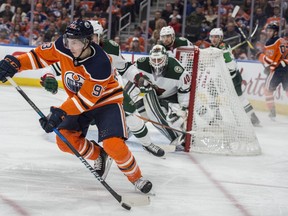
x: 233, y: 15
x: 165, y: 126
x: 133, y: 201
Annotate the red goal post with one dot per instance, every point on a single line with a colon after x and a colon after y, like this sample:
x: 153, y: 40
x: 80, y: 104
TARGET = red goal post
x: 215, y: 113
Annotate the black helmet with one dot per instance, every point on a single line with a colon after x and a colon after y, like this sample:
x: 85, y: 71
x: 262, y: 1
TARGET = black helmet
x: 79, y: 29
x: 273, y: 26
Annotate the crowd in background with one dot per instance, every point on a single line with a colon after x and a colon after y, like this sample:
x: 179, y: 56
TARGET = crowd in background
x: 50, y: 18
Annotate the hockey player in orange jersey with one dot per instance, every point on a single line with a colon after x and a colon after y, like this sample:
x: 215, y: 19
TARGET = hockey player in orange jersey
x: 275, y: 59
x: 93, y: 94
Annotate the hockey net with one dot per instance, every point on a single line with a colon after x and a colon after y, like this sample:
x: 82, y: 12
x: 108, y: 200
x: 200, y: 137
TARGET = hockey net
x: 216, y: 117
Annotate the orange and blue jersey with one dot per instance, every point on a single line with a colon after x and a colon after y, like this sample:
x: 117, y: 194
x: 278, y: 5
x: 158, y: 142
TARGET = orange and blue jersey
x: 89, y: 85
x: 275, y: 53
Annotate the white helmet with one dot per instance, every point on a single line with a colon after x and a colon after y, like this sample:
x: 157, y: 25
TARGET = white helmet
x: 97, y: 28
x: 158, y: 59
x: 167, y: 30
x: 217, y: 32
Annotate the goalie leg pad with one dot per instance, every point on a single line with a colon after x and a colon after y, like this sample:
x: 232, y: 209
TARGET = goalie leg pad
x: 155, y: 113
x: 132, y: 90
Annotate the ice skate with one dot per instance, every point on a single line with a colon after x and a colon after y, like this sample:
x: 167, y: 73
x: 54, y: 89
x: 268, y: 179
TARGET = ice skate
x: 254, y: 120
x: 272, y: 114
x: 155, y: 150
x: 100, y: 162
x: 143, y: 185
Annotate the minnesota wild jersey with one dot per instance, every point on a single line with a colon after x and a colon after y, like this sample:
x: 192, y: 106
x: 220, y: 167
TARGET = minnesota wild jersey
x: 174, y: 82
x: 178, y: 42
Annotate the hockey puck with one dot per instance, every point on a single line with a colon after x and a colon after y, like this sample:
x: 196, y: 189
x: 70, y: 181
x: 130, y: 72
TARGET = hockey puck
x: 126, y: 206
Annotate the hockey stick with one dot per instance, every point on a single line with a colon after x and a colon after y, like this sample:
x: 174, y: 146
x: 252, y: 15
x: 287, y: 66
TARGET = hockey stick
x: 248, y: 39
x: 144, y: 199
x: 233, y: 15
x: 165, y: 126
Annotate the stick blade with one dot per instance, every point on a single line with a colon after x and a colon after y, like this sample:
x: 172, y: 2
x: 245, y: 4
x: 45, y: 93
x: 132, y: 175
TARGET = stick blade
x: 235, y: 11
x: 136, y: 200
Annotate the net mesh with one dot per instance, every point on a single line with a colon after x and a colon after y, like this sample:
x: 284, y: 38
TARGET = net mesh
x: 220, y: 123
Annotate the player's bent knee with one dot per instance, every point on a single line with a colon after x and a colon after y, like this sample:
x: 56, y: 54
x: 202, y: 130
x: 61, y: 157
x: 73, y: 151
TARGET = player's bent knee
x: 116, y: 148
x: 74, y: 137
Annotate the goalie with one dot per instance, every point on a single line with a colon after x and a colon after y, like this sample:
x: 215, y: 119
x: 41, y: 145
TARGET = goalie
x: 166, y: 85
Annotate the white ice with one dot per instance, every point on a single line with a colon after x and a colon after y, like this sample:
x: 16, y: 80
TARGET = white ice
x: 37, y: 179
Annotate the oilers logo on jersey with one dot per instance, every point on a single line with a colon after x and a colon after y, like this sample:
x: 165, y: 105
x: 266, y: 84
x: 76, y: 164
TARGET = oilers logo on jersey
x: 73, y: 81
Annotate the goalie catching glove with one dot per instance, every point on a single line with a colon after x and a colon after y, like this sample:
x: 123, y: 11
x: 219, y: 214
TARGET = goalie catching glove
x: 144, y: 84
x: 9, y: 66
x: 55, y: 117
x: 49, y: 82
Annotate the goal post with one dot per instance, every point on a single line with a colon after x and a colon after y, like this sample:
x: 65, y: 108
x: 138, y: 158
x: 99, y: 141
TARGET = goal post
x: 216, y: 116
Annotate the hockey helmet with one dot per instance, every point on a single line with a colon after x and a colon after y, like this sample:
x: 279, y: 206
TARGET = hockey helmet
x: 217, y: 32
x: 97, y: 29
x: 79, y: 29
x: 167, y: 30
x: 273, y: 26
x: 158, y: 59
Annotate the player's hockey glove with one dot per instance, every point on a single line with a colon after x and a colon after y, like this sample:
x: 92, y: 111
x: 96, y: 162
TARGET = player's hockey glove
x: 49, y: 82
x: 55, y: 117
x: 9, y: 66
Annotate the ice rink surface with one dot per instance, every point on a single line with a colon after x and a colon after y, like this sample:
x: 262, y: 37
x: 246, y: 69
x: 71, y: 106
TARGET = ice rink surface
x: 37, y: 179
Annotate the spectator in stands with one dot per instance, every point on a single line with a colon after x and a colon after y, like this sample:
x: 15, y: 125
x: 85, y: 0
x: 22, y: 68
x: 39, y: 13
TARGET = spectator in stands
x: 128, y: 7
x: 203, y: 41
x: 153, y: 40
x: 260, y: 18
x: 210, y: 16
x: 135, y: 45
x: 116, y: 14
x: 225, y: 8
x: 50, y: 32
x: 26, y: 7
x: 191, y: 6
x: 176, y: 26
x: 137, y: 34
x: 276, y: 18
x: 178, y: 4
x: 167, y: 12
x: 194, y: 21
x: 20, y: 13
x: 175, y: 14
x: 4, y: 36
x: 122, y: 46
x: 267, y: 8
x: 10, y: 4
x: 7, y: 12
x: 231, y: 36
x: 38, y: 12
x: 143, y: 29
x: 152, y: 23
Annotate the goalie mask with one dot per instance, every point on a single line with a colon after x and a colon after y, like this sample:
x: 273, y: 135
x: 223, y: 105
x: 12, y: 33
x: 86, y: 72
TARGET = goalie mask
x: 216, y: 36
x: 98, y: 31
x: 158, y: 59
